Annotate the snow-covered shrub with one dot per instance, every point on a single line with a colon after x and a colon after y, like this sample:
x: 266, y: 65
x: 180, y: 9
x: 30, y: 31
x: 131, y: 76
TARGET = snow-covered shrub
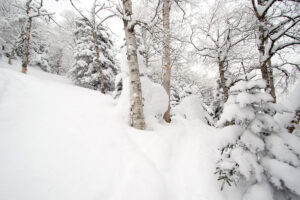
x: 155, y: 100
x: 39, y: 54
x: 259, y: 155
x: 85, y: 70
x: 192, y: 108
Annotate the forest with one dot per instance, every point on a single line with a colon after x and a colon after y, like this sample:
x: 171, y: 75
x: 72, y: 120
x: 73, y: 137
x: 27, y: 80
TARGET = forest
x: 150, y: 99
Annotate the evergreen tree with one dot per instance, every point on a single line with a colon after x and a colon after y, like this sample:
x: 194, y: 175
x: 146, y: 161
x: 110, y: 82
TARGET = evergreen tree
x: 85, y: 71
x: 258, y: 154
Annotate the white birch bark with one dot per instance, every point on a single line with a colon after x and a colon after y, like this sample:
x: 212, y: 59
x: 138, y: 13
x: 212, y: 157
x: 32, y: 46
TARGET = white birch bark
x: 27, y: 38
x: 166, y: 76
x: 264, y: 58
x: 136, y: 99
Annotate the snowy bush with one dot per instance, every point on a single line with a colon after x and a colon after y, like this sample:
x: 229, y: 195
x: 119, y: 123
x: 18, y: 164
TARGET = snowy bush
x: 155, y: 100
x: 259, y: 153
x: 192, y: 108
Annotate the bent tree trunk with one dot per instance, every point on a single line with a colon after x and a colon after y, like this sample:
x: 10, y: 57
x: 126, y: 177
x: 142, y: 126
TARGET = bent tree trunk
x: 26, y: 46
x: 166, y: 76
x: 136, y: 99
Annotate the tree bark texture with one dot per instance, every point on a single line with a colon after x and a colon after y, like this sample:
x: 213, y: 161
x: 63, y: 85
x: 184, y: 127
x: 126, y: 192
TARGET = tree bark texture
x: 26, y: 46
x: 223, y: 80
x: 136, y: 99
x: 264, y: 62
x: 271, y: 80
x: 11, y: 55
x: 166, y: 76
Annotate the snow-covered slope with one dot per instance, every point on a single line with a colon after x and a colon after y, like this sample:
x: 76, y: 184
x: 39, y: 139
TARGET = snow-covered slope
x: 59, y: 141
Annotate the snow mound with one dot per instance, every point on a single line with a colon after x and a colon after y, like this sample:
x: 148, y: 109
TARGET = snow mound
x: 155, y: 101
x: 259, y: 191
x: 191, y: 108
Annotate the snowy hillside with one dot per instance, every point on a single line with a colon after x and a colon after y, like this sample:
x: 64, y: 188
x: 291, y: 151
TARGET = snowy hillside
x: 149, y: 100
x: 60, y: 141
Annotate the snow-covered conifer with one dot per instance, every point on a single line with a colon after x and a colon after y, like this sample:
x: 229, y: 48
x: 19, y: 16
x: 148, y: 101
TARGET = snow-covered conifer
x: 85, y: 71
x: 258, y: 155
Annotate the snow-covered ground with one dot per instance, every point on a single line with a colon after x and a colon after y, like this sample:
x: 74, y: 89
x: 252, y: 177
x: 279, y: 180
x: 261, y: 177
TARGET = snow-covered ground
x: 59, y: 141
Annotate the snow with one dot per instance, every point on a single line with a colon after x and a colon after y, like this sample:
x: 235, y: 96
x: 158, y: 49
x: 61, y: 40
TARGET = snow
x: 283, y: 173
x: 247, y: 163
x: 245, y: 99
x: 291, y: 102
x: 252, y: 141
x: 234, y: 111
x: 155, y: 101
x: 228, y: 135
x: 245, y: 85
x: 259, y: 191
x: 61, y: 141
x: 281, y: 151
x: 191, y: 108
x: 292, y: 140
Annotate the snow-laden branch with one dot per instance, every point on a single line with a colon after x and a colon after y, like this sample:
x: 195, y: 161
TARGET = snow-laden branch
x: 277, y: 35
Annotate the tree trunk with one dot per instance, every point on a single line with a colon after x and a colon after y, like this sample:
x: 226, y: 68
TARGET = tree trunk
x: 223, y: 81
x: 245, y: 73
x: 264, y: 64
x: 26, y: 46
x: 11, y: 55
x: 136, y: 99
x: 98, y: 62
x: 166, y: 76
x: 261, y: 50
x: 95, y: 41
x: 271, y: 81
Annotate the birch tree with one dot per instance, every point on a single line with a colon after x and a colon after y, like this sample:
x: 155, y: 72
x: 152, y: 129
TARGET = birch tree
x: 136, y: 99
x: 220, y: 39
x: 277, y: 29
x: 33, y: 9
x: 166, y: 76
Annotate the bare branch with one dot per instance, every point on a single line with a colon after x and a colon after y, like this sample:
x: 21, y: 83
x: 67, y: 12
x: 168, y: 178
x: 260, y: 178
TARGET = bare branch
x: 80, y: 13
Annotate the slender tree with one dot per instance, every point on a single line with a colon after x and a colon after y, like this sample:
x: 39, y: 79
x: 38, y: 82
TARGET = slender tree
x: 136, y: 99
x: 166, y: 76
x: 33, y: 10
x: 276, y: 30
x: 95, y: 25
x: 221, y: 40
